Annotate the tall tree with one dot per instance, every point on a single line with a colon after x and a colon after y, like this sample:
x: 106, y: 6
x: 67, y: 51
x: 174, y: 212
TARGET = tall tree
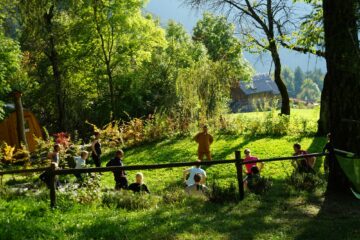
x: 10, y: 56
x: 42, y: 33
x: 218, y: 36
x: 260, y: 22
x: 123, y: 38
x: 299, y: 78
x: 317, y: 76
x: 309, y: 91
x: 288, y: 76
x: 342, y: 78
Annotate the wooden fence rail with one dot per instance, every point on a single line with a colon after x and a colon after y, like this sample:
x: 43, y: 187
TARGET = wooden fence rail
x: 53, y: 171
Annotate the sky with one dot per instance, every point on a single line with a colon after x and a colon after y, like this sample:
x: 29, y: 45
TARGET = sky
x: 176, y: 10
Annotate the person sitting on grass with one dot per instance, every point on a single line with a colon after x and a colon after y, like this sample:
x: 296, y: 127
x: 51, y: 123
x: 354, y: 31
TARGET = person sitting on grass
x: 190, y: 173
x: 121, y: 181
x: 80, y: 162
x: 303, y: 165
x: 248, y: 158
x: 138, y: 185
x: 197, y: 189
x: 252, y: 178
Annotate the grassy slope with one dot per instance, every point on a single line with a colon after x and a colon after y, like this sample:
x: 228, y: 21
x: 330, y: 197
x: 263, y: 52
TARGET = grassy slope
x: 279, y: 214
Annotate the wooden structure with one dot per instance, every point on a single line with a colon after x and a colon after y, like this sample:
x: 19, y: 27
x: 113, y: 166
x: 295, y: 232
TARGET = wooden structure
x: 238, y: 164
x: 254, y: 95
x: 9, y: 126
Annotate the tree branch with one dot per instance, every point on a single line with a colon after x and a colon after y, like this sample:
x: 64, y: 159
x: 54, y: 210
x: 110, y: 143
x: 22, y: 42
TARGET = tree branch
x: 296, y: 48
x: 302, y: 49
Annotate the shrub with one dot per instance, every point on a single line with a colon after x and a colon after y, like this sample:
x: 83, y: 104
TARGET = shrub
x: 86, y: 192
x: 12, y: 156
x: 63, y: 139
x: 270, y: 124
x: 137, y: 131
x: 276, y: 125
x: 221, y: 194
x: 305, y: 181
x: 260, y: 185
x: 129, y: 200
x: 174, y: 195
x: 43, y: 147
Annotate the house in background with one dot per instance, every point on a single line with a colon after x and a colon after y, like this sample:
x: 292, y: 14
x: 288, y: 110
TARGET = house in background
x: 8, y: 128
x: 258, y: 94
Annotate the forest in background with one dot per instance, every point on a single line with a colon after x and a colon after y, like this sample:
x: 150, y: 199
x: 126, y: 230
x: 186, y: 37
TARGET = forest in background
x: 99, y: 61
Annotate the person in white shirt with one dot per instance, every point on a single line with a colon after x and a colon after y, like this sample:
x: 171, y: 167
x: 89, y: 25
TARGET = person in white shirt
x: 80, y: 162
x: 190, y: 173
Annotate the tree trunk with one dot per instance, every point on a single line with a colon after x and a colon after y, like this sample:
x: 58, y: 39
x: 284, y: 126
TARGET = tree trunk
x: 111, y: 89
x: 323, y: 123
x: 285, y: 102
x: 343, y: 64
x: 20, y: 121
x: 54, y: 60
x: 107, y: 59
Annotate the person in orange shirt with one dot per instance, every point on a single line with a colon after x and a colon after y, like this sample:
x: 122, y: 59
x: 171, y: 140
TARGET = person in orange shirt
x: 204, y: 140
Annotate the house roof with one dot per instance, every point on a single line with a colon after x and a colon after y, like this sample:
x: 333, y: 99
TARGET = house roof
x: 261, y: 83
x: 10, y: 108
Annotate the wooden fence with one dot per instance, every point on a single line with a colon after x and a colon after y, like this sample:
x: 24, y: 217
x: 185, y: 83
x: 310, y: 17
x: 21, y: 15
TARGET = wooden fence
x: 53, y: 171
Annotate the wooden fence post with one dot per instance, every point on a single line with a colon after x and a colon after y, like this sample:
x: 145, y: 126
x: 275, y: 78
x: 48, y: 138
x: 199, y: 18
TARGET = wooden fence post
x: 52, y: 185
x: 239, y: 171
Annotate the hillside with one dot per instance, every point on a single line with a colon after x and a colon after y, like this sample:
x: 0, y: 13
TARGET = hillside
x: 281, y: 213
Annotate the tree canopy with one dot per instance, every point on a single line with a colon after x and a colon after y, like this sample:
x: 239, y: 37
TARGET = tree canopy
x: 98, y: 61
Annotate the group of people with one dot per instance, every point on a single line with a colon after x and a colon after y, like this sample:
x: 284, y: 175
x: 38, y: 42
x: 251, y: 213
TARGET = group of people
x: 120, y: 177
x: 194, y: 177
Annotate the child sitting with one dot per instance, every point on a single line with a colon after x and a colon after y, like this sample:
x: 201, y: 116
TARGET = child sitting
x: 121, y: 181
x: 303, y: 165
x: 190, y: 173
x: 252, y: 178
x: 139, y: 186
x: 197, y: 189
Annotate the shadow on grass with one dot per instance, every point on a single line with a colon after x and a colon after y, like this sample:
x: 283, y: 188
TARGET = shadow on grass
x: 254, y: 217
x: 278, y: 214
x: 338, y: 218
x: 245, y: 141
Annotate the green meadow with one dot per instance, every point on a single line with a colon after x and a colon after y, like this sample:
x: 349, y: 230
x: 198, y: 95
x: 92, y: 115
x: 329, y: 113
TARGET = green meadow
x: 283, y: 212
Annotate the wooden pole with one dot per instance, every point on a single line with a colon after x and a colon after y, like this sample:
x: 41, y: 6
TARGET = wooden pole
x: 238, y: 165
x: 20, y: 121
x: 52, y: 185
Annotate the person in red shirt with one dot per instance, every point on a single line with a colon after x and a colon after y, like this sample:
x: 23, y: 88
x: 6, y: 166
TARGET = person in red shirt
x: 252, y: 169
x: 303, y: 165
x: 204, y: 140
x: 249, y: 157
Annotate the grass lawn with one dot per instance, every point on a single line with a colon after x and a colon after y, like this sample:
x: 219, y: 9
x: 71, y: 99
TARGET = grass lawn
x: 280, y: 213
